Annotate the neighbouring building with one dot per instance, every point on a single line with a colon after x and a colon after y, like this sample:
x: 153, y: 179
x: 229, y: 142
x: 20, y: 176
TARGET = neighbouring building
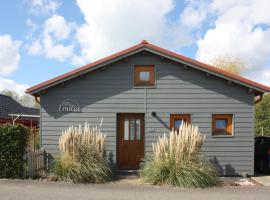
x: 13, y: 112
x: 145, y: 90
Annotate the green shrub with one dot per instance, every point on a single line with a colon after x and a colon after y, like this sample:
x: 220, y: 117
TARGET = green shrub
x: 177, y: 161
x: 83, y: 158
x: 262, y: 116
x: 13, y: 142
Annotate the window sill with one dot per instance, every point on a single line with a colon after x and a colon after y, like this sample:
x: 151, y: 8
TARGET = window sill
x: 222, y: 136
x: 141, y: 87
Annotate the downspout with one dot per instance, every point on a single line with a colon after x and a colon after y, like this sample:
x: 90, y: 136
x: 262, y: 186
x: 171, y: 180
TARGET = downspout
x: 145, y: 101
x: 260, y: 98
x: 36, y: 99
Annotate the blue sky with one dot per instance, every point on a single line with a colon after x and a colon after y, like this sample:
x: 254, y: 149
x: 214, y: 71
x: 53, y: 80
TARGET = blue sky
x: 40, y: 39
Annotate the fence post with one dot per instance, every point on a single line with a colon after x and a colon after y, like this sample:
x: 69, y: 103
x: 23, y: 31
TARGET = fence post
x: 29, y: 163
x: 21, y: 169
x: 47, y: 161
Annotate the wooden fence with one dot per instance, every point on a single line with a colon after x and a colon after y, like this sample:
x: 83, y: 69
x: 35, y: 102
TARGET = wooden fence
x: 34, y: 163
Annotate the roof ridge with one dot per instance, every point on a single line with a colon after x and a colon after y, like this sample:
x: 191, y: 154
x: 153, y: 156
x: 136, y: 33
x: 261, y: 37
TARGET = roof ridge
x: 4, y: 95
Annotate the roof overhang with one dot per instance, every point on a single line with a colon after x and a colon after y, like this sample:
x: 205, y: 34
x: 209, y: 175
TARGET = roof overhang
x: 23, y: 115
x: 145, y: 46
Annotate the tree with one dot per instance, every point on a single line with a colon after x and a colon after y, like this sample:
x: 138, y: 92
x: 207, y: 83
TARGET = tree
x: 232, y: 65
x: 262, y: 116
x: 25, y: 100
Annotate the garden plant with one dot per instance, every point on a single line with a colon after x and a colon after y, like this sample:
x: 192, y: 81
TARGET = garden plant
x: 83, y: 156
x: 13, y: 144
x: 177, y: 160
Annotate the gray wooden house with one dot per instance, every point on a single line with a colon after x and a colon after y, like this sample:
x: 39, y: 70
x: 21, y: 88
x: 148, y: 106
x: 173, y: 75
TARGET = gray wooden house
x: 145, y: 90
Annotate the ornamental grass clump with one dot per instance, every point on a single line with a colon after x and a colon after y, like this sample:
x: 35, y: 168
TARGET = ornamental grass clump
x: 177, y: 160
x: 82, y: 158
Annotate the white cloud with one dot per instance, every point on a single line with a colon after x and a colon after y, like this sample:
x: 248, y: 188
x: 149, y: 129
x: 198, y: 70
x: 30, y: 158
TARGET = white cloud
x: 121, y: 24
x: 194, y: 14
x: 116, y: 26
x: 7, y: 84
x: 241, y: 31
x: 47, y: 47
x: 31, y: 25
x: 58, y: 27
x: 42, y: 7
x: 9, y: 54
x: 35, y: 48
x: 260, y: 74
x: 266, y: 77
x: 56, y: 30
x: 56, y: 51
x: 230, y: 40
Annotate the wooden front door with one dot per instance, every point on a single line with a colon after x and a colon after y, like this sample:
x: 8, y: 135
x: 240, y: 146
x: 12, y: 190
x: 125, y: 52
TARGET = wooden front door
x: 130, y: 144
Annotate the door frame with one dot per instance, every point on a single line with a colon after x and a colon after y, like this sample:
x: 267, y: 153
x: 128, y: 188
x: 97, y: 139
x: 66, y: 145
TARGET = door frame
x: 118, y: 115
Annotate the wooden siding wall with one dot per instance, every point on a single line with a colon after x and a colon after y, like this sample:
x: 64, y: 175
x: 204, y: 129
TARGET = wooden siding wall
x: 103, y: 94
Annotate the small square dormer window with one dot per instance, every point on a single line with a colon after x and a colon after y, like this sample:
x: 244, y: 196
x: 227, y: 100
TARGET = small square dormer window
x: 144, y: 75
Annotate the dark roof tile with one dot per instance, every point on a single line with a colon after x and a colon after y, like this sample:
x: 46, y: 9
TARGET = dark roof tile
x: 10, y: 106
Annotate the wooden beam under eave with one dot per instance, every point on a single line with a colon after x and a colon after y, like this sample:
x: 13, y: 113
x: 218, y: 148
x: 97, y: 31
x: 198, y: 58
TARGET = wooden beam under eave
x: 104, y: 68
x: 83, y: 76
x: 143, y: 53
x: 208, y: 75
x: 63, y: 84
x: 162, y: 59
x: 43, y: 92
x: 36, y: 95
x: 186, y: 67
x: 250, y: 91
x: 125, y: 59
x: 229, y: 82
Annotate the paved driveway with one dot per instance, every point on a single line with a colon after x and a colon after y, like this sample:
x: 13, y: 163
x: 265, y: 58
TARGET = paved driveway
x: 38, y: 190
x: 262, y: 179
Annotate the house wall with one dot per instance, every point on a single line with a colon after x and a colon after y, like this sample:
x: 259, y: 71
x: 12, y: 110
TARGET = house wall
x: 103, y: 94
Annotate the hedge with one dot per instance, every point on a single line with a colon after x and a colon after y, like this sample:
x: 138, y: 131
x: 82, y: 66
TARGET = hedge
x: 13, y: 142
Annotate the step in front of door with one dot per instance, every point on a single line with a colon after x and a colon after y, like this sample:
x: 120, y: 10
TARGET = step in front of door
x: 127, y: 174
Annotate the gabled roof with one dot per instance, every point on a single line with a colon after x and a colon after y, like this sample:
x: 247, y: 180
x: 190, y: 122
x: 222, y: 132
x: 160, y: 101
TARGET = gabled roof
x: 10, y: 106
x: 144, y: 45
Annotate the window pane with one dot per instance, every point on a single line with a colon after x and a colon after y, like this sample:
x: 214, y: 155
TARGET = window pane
x: 144, y: 76
x: 132, y: 129
x: 221, y: 124
x: 126, y: 131
x: 177, y: 123
x: 138, y: 129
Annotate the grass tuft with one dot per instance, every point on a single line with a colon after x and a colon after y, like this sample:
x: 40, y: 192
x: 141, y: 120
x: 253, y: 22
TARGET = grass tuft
x: 177, y: 160
x: 83, y: 157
